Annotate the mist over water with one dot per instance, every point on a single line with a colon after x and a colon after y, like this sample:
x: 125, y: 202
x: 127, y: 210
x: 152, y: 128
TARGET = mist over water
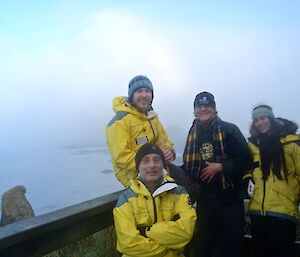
x: 56, y: 178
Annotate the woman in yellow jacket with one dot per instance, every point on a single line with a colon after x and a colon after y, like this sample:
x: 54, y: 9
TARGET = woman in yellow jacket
x: 153, y: 217
x: 274, y: 183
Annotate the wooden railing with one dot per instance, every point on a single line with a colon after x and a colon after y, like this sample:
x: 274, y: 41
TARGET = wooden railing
x: 46, y: 233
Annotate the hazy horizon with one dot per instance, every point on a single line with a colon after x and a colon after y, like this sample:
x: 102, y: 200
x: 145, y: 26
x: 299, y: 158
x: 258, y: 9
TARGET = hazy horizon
x: 63, y: 62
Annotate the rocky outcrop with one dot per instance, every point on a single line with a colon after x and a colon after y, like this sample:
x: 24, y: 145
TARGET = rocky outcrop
x: 15, y: 206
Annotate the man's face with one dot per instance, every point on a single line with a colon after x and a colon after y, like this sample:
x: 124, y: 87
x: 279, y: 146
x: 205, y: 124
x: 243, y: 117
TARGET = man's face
x: 262, y: 124
x: 151, y: 168
x: 142, y: 99
x: 204, y: 113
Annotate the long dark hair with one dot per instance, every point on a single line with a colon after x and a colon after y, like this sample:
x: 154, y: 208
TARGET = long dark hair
x: 272, y: 152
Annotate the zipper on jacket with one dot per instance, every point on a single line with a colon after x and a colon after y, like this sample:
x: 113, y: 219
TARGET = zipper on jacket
x: 152, y: 130
x: 263, y: 200
x: 154, y: 208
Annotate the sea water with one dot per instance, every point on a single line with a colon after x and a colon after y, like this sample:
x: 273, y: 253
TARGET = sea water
x: 58, y: 177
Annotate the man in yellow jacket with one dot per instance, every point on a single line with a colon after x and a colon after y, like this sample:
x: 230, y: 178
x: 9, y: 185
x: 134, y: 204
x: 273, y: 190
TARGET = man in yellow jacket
x: 153, y: 217
x: 134, y: 124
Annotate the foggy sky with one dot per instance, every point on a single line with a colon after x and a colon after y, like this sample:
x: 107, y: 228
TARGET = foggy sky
x: 62, y: 64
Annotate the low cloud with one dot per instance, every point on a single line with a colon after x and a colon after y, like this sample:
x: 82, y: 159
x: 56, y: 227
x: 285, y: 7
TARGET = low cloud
x: 63, y: 94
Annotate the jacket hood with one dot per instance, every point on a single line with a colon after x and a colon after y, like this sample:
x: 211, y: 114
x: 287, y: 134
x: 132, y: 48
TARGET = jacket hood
x: 287, y: 127
x: 121, y: 104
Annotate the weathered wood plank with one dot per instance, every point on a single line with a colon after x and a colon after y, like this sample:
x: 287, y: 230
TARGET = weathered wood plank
x: 45, y: 233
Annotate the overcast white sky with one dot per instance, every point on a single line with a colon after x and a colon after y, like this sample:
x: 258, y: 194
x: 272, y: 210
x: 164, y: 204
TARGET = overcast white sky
x: 62, y: 62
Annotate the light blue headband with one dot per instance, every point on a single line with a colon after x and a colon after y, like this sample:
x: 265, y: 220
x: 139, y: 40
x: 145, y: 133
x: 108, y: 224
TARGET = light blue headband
x: 262, y: 111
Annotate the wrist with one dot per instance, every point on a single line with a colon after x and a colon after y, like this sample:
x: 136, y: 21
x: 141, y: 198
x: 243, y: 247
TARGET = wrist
x: 220, y: 167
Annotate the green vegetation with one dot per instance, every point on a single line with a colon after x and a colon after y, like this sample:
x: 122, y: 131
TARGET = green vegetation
x: 100, y: 244
x: 103, y: 244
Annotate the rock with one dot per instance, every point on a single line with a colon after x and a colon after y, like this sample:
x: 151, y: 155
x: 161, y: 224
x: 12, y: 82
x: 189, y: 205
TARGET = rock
x: 15, y: 206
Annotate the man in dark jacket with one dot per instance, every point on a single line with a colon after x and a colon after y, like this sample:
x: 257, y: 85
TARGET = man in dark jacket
x: 215, y: 156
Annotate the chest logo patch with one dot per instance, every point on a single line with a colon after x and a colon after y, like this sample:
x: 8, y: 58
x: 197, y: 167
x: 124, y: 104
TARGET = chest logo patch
x: 141, y: 140
x: 206, y: 151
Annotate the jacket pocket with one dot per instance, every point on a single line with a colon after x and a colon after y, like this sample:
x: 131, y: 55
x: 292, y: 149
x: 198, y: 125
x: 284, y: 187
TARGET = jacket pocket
x: 288, y: 192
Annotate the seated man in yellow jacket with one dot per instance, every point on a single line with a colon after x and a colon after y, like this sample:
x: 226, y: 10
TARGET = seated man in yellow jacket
x: 135, y: 124
x: 153, y: 217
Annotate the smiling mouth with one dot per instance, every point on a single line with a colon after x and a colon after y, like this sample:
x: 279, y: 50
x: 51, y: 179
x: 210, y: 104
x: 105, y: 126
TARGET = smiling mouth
x: 144, y: 103
x: 152, y: 173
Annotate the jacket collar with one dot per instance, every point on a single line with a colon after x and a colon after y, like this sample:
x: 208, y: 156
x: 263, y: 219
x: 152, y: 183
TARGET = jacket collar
x: 167, y: 184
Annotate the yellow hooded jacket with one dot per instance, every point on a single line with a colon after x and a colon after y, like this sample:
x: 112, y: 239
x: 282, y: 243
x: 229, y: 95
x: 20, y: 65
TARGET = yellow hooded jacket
x: 164, y: 237
x: 127, y: 132
x: 274, y: 197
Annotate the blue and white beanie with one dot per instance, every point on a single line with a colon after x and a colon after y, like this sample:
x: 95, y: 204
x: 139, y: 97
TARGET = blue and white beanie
x: 137, y: 82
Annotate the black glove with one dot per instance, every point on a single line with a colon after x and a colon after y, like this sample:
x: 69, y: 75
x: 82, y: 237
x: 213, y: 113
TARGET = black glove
x: 176, y: 217
x: 143, y: 229
x: 243, y: 192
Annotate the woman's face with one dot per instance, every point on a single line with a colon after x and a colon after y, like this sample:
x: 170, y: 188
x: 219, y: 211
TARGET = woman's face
x: 262, y: 124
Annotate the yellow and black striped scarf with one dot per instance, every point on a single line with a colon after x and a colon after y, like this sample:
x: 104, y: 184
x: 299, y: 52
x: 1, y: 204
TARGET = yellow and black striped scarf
x: 192, y: 158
